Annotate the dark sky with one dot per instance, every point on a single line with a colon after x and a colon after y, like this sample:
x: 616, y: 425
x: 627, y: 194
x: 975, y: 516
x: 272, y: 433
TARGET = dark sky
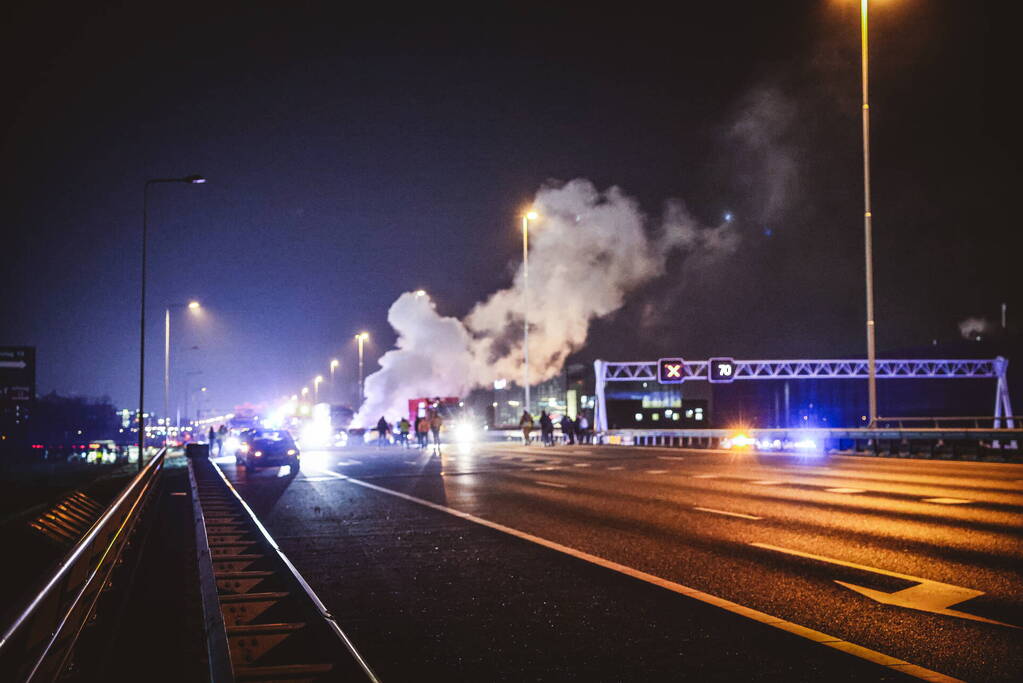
x: 353, y: 155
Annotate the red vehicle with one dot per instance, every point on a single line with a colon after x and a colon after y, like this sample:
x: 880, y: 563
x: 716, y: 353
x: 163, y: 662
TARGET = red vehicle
x: 449, y: 407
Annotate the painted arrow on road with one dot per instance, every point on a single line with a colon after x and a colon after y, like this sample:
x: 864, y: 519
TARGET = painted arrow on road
x: 20, y: 364
x: 926, y: 596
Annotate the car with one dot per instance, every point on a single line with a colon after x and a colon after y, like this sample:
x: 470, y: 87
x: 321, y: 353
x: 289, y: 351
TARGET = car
x: 267, y: 447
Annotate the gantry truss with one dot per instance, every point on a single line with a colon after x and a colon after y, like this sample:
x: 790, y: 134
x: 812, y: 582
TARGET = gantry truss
x: 646, y: 371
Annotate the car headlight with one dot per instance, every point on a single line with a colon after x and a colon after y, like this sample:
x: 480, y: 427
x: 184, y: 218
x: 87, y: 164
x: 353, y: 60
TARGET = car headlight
x: 464, y: 432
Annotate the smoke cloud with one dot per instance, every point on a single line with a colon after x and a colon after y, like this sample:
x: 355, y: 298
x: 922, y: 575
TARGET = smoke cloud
x: 588, y: 250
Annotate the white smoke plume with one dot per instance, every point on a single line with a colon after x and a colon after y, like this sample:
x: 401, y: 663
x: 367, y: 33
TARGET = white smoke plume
x: 971, y: 328
x: 588, y: 250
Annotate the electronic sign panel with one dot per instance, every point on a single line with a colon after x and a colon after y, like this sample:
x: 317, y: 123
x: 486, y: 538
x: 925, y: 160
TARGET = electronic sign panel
x: 671, y: 370
x: 721, y: 370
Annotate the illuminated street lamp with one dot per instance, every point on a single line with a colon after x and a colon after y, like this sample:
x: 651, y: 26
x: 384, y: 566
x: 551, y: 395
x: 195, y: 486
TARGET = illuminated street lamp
x: 528, y: 216
x: 193, y: 180
x: 333, y: 387
x: 316, y: 388
x: 192, y: 306
x: 305, y: 391
x: 361, y: 338
x: 867, y: 226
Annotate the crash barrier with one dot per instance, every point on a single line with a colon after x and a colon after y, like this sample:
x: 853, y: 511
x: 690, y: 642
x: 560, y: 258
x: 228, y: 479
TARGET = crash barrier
x: 262, y: 620
x: 934, y: 442
x: 39, y: 644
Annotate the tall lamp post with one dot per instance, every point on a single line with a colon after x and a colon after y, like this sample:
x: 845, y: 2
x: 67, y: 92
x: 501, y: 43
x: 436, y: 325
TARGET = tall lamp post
x: 316, y: 388
x: 192, y: 306
x: 333, y: 387
x: 192, y: 179
x: 867, y: 227
x: 528, y: 216
x: 361, y: 338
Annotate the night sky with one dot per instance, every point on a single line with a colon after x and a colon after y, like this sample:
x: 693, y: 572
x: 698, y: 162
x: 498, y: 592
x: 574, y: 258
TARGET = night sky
x: 353, y: 156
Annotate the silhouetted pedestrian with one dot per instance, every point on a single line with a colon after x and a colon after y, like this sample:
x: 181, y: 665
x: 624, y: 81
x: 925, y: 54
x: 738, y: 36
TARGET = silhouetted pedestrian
x: 546, y: 429
x: 436, y: 422
x: 526, y: 423
x: 568, y: 429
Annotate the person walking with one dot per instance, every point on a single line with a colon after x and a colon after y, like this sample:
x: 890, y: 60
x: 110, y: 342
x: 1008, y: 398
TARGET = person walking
x: 568, y: 429
x: 382, y: 429
x: 582, y: 427
x: 211, y: 439
x: 526, y: 424
x: 403, y: 430
x: 436, y: 422
x: 221, y: 438
x: 546, y: 428
x: 422, y: 430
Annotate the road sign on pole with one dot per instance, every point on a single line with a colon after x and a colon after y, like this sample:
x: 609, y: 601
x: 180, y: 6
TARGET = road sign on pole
x: 17, y: 373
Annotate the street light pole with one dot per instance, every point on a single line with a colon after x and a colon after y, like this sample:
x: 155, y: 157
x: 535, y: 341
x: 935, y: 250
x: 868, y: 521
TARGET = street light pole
x: 192, y: 305
x: 316, y: 388
x: 333, y: 387
x: 194, y: 179
x: 531, y: 215
x: 867, y: 225
x: 361, y: 338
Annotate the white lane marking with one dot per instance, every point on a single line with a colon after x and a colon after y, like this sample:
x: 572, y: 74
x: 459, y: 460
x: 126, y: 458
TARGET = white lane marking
x: 346, y: 463
x: 840, y: 489
x: 926, y: 596
x: 670, y: 457
x: 333, y: 474
x: 581, y: 464
x: 818, y: 637
x: 316, y: 478
x: 705, y: 476
x: 726, y: 512
x: 616, y: 467
x: 657, y: 471
x: 550, y: 483
x: 946, y: 501
x: 546, y: 469
x: 766, y: 482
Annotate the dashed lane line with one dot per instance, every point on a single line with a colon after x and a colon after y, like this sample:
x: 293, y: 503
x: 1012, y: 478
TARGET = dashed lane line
x: 946, y: 501
x: 705, y: 476
x: 766, y: 482
x: 657, y: 471
x: 551, y: 484
x: 841, y: 489
x: 616, y: 467
x: 726, y: 512
x: 818, y: 637
x: 581, y: 464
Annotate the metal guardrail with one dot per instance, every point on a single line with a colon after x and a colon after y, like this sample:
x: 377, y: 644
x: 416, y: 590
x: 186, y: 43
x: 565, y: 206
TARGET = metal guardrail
x: 975, y: 421
x: 39, y: 643
x: 263, y: 621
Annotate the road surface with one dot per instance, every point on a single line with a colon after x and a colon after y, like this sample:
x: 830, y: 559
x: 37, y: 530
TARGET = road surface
x: 505, y: 562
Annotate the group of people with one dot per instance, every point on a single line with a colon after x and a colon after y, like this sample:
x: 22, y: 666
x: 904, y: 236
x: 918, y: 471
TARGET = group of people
x: 573, y: 431
x: 423, y: 427
x: 216, y: 438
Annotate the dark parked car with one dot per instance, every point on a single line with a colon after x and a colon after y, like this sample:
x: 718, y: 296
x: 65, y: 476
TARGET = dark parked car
x: 266, y: 447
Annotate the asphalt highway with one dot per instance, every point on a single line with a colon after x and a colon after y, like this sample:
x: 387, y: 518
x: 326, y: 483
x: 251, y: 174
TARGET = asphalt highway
x: 505, y: 562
